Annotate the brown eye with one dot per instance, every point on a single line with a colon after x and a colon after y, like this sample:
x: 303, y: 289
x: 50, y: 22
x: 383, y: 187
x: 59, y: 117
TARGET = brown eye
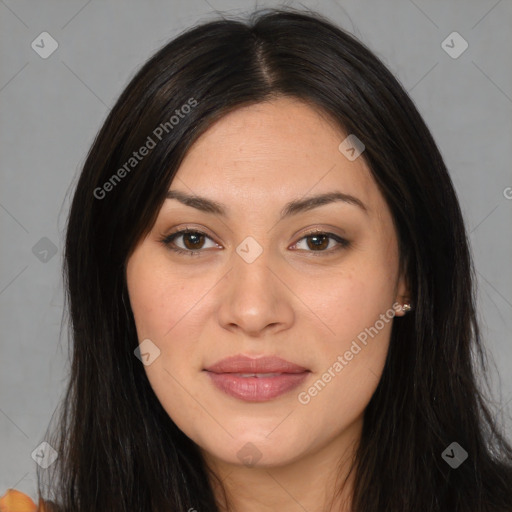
x: 318, y: 241
x: 321, y: 243
x: 192, y: 243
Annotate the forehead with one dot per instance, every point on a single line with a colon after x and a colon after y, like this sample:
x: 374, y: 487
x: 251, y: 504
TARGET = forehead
x: 273, y: 152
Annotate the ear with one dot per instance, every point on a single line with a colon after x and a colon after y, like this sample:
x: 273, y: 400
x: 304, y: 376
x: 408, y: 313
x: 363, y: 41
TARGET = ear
x: 402, y: 294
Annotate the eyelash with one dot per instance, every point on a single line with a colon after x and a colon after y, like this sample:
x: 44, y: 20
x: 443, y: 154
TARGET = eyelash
x: 169, y: 239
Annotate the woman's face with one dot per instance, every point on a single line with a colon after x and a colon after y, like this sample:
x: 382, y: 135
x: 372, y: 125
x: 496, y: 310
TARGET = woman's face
x: 262, y: 284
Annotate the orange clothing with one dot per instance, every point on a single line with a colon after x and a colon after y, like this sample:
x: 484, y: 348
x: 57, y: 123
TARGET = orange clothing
x: 16, y: 501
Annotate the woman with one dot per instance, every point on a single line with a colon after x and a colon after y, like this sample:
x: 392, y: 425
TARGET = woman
x: 270, y: 292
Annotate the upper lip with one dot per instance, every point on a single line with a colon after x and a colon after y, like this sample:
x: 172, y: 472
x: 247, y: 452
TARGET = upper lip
x: 244, y: 364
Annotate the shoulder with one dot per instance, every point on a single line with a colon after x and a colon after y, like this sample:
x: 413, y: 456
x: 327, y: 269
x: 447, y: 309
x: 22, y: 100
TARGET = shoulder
x: 16, y: 501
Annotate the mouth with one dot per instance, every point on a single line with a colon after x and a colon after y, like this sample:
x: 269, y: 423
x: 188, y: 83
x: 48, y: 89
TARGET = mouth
x: 257, y: 375
x: 245, y: 365
x: 256, y: 380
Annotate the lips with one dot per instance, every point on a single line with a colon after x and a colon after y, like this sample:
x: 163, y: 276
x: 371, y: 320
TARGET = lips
x: 256, y: 380
x: 247, y: 365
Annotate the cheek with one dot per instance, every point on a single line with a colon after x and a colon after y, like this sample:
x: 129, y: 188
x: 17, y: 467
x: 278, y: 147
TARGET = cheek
x: 171, y: 309
x: 356, y: 312
x: 161, y: 299
x: 356, y: 317
x: 345, y: 302
x: 350, y: 370
x: 168, y: 309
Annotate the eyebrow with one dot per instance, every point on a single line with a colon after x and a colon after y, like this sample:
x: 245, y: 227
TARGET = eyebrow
x: 292, y: 208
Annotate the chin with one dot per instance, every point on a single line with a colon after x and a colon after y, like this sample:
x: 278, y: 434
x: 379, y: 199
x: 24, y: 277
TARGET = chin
x: 253, y: 451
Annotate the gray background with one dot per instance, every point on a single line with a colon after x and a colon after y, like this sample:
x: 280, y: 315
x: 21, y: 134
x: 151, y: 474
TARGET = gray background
x: 50, y: 110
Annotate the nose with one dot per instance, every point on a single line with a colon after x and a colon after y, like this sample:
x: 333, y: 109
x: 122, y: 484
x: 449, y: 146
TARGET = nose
x: 254, y: 299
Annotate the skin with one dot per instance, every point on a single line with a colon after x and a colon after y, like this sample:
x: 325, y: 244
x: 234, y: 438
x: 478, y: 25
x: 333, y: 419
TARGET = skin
x: 299, y: 302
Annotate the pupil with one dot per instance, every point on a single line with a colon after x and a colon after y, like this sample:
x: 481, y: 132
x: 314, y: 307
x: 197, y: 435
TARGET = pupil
x: 195, y: 240
x: 319, y: 244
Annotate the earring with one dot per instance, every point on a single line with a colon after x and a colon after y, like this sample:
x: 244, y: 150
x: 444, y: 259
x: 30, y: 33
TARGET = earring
x: 406, y: 308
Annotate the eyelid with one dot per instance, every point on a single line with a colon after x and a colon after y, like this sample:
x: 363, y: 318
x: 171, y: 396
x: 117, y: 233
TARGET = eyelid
x: 340, y: 240
x: 168, y: 240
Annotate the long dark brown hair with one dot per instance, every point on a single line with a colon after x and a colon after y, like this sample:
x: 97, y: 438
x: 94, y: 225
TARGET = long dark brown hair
x: 118, y: 449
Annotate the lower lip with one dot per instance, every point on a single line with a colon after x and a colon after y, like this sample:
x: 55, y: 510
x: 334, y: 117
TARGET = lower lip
x: 256, y: 389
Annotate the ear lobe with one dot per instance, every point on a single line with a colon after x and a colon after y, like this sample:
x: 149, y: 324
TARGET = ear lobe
x: 403, y: 308
x: 403, y: 296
